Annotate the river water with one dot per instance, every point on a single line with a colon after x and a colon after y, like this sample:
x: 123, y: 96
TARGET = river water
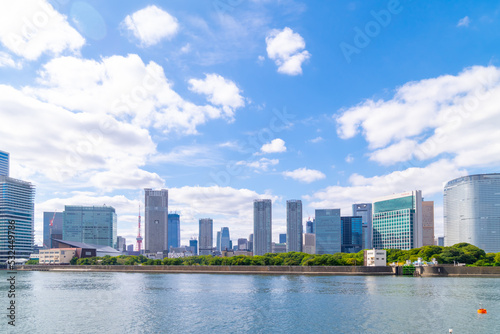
x: 52, y: 302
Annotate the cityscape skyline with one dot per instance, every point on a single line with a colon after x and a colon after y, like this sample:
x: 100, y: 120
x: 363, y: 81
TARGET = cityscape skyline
x: 332, y: 103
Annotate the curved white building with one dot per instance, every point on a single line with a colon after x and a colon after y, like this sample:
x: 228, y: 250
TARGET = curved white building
x: 472, y: 211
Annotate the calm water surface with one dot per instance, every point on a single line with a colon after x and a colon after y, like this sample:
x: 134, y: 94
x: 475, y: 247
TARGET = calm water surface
x: 49, y: 302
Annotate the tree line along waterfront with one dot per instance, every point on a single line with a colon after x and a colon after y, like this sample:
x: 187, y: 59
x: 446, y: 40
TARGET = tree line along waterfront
x: 458, y: 253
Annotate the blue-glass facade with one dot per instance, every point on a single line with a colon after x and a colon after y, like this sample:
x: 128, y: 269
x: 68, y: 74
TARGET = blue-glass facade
x: 352, y: 234
x: 328, y: 231
x: 282, y: 238
x: 194, y: 244
x: 397, y: 221
x: 54, y: 231
x: 90, y: 224
x: 17, y: 203
x: 365, y: 211
x: 472, y: 211
x: 309, y: 227
x: 174, y: 230
x: 225, y: 241
x: 4, y: 163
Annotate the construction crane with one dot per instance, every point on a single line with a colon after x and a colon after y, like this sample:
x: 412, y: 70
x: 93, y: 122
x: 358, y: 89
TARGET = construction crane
x: 139, y: 238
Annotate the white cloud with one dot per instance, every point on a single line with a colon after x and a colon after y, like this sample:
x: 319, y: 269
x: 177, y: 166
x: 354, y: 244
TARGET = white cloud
x: 261, y: 164
x: 219, y: 91
x: 463, y: 22
x: 275, y: 146
x: 64, y: 146
x: 456, y: 115
x: 195, y: 155
x: 349, y: 158
x: 7, y: 61
x: 316, y: 140
x: 305, y: 175
x: 430, y: 179
x: 125, y: 88
x: 285, y: 48
x: 30, y: 28
x: 150, y: 25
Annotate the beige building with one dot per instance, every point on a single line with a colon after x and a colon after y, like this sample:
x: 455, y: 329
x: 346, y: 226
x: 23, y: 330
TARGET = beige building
x: 309, y: 243
x: 56, y: 255
x: 428, y: 223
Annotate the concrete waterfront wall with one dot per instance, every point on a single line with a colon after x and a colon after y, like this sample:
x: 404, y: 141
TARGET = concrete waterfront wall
x: 443, y: 271
x: 292, y: 270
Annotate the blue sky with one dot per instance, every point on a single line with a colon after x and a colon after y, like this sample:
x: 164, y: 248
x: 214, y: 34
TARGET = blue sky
x: 226, y: 101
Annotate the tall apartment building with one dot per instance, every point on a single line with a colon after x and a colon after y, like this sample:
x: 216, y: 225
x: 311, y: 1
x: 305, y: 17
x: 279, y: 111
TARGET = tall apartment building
x: 472, y: 211
x: 294, y: 226
x: 262, y: 226
x: 95, y: 225
x: 156, y: 221
x: 17, y: 208
x: 428, y: 223
x: 206, y: 234
x: 121, y: 244
x: 328, y: 231
x: 174, y: 230
x: 397, y: 221
x: 365, y: 211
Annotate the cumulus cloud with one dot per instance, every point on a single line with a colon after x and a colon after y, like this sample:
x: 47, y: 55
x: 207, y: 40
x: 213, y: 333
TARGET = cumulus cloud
x: 219, y: 91
x: 463, y: 22
x: 275, y: 146
x: 7, y: 61
x: 456, y: 115
x: 305, y: 175
x: 286, y: 48
x: 150, y: 25
x: 32, y: 27
x: 125, y: 88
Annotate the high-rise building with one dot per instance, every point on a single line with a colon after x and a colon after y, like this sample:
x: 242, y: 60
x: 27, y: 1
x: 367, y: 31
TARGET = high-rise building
x: 262, y: 226
x: 225, y: 241
x: 217, y: 241
x: 397, y: 221
x: 193, y: 243
x: 328, y: 231
x: 90, y: 224
x: 242, y: 244
x: 427, y: 223
x: 365, y: 211
x: 52, y: 228
x: 121, y: 244
x: 282, y: 238
x: 250, y: 242
x: 309, y: 226
x: 352, y: 234
x: 17, y: 206
x: 205, y: 239
x: 4, y: 163
x: 472, y: 211
x: 156, y: 221
x: 309, y: 243
x: 130, y: 248
x: 294, y: 226
x: 440, y: 241
x: 174, y: 230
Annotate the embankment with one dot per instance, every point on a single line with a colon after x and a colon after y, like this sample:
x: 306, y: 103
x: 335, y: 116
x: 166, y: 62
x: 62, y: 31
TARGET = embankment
x: 279, y: 270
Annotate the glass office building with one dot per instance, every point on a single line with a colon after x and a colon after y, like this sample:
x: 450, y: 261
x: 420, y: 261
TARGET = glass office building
x: 262, y: 226
x: 90, y: 224
x: 352, y: 234
x: 472, y: 211
x: 328, y: 231
x: 52, y: 228
x: 174, y: 230
x: 17, y: 203
x: 293, y: 226
x: 397, y: 221
x: 206, y: 235
x: 4, y: 163
x: 156, y: 221
x: 365, y: 211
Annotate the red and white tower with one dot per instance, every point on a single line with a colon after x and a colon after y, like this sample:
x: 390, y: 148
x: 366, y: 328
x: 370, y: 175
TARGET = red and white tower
x: 139, y: 237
